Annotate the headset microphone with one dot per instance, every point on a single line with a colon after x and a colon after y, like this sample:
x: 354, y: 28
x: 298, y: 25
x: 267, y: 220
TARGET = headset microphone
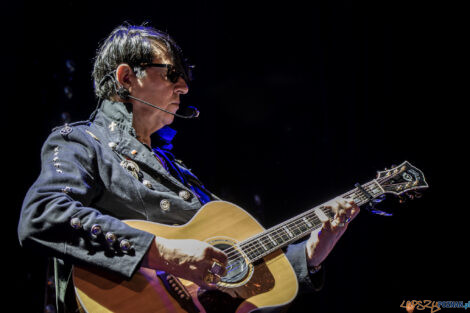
x: 125, y: 94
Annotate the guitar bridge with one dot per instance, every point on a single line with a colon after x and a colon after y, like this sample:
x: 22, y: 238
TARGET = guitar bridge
x: 176, y: 289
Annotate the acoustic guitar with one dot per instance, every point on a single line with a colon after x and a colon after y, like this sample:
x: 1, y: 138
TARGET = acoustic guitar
x: 258, y: 277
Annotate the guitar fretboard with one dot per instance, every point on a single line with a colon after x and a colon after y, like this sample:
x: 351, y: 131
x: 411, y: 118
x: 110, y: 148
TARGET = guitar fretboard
x: 301, y: 225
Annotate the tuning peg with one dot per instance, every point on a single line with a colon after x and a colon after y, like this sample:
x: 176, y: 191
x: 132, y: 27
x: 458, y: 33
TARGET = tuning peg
x: 410, y: 195
x: 417, y: 194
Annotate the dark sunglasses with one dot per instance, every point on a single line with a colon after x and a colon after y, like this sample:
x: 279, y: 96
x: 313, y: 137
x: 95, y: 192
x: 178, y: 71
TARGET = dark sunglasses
x: 173, y: 74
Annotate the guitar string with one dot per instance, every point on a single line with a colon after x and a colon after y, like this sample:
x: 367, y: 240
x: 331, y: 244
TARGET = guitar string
x: 279, y: 228
x: 293, y: 230
x: 294, y: 220
x: 279, y: 235
x: 295, y: 225
x: 359, y: 199
x: 259, y: 255
x: 256, y: 246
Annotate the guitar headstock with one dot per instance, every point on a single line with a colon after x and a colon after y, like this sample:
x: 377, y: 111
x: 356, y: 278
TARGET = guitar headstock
x: 402, y: 178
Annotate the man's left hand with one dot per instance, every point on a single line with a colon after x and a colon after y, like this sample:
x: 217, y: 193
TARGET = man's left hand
x: 322, y: 241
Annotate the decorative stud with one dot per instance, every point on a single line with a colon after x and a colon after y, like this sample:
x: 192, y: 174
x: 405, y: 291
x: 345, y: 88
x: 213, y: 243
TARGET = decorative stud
x: 125, y: 245
x: 110, y: 237
x: 76, y: 223
x: 132, y: 167
x: 112, y: 145
x: 165, y: 205
x: 66, y: 130
x: 66, y: 189
x: 147, y: 184
x: 184, y: 194
x: 112, y: 126
x: 96, y: 230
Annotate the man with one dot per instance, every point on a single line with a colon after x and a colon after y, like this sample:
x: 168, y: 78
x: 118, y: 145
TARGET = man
x: 99, y: 172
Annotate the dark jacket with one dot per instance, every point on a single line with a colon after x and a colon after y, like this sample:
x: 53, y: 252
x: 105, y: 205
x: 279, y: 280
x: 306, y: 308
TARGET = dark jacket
x: 95, y: 174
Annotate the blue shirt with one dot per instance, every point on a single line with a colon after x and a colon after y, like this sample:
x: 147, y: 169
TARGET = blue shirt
x: 163, y: 137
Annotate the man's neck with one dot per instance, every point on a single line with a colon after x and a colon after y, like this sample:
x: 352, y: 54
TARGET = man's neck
x: 144, y: 126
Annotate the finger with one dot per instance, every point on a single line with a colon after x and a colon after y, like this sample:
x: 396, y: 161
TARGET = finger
x: 342, y: 216
x: 353, y: 212
x: 335, y: 225
x: 217, y: 255
x: 327, y: 226
x: 210, y: 281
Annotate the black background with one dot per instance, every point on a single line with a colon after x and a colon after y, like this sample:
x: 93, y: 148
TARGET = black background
x: 298, y: 102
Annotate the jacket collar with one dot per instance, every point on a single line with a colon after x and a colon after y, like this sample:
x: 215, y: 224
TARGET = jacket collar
x: 119, y: 115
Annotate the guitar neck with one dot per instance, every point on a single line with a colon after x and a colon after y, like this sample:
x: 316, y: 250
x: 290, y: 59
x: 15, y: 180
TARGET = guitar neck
x: 301, y: 225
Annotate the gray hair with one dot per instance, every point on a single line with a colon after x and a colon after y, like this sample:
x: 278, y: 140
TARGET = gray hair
x: 133, y: 45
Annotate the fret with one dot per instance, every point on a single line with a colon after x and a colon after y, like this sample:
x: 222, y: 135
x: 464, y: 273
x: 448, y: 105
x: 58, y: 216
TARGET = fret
x: 313, y: 219
x: 288, y: 232
x: 279, y: 239
x: 284, y: 234
x: 272, y: 240
x: 297, y: 227
x: 302, y: 226
x: 256, y: 250
x: 307, y: 222
x: 321, y: 214
x: 262, y: 245
x: 268, y: 242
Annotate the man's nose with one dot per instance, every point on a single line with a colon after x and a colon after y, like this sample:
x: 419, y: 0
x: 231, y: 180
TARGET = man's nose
x: 181, y: 86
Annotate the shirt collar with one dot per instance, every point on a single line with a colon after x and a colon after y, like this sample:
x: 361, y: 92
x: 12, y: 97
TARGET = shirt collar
x: 163, y: 137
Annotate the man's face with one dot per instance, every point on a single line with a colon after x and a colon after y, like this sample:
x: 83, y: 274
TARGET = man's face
x: 154, y: 87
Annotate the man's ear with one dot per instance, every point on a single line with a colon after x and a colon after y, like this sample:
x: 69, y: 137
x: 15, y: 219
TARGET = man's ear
x: 124, y: 75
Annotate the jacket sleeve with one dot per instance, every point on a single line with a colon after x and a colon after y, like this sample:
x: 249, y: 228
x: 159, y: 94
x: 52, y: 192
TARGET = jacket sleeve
x: 57, y: 216
x: 296, y: 255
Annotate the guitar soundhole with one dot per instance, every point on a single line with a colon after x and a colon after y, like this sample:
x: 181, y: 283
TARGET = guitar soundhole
x: 238, y: 269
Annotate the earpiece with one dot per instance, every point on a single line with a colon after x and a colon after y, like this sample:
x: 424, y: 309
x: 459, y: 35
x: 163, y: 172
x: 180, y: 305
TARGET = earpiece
x: 123, y: 93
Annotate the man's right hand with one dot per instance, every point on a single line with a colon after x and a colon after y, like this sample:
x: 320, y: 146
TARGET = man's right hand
x: 188, y: 259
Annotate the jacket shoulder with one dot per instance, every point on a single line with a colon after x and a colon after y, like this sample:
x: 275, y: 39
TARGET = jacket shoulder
x: 72, y: 133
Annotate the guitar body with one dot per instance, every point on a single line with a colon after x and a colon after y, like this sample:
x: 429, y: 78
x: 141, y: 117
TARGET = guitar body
x: 268, y: 284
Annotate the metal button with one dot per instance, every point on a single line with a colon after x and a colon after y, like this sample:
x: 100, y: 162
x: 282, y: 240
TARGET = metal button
x: 112, y: 145
x: 147, y: 184
x: 66, y: 189
x: 96, y: 230
x: 110, y: 237
x: 76, y: 223
x: 165, y: 205
x: 66, y: 130
x: 131, y: 167
x: 125, y: 245
x: 184, y: 194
